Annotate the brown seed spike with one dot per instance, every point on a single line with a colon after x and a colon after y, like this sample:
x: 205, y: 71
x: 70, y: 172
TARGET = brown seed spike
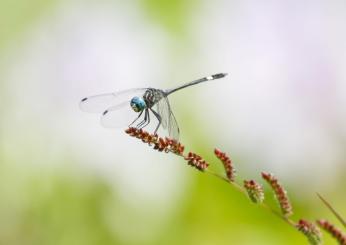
x: 158, y: 143
x: 227, y: 163
x: 311, y: 231
x: 280, y: 193
x: 332, y: 230
x: 254, y: 190
x: 175, y: 146
x: 196, y: 161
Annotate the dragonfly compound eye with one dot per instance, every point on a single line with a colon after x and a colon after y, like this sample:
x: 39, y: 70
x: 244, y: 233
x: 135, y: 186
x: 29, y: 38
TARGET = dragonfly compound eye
x: 137, y: 104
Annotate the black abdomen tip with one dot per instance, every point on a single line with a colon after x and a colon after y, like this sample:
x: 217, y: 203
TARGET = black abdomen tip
x: 105, y: 112
x: 219, y: 75
x: 84, y: 99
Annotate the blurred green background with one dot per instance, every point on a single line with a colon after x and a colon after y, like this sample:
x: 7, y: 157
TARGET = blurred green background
x: 66, y: 180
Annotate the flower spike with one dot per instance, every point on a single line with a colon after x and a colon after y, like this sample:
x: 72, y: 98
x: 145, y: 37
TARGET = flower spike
x: 332, y: 230
x: 311, y: 231
x: 227, y: 163
x: 254, y: 190
x: 280, y: 193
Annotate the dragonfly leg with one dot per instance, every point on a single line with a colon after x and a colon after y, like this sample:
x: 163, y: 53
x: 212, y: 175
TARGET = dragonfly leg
x: 147, y: 114
x: 157, y: 115
x: 140, y: 125
x: 140, y: 114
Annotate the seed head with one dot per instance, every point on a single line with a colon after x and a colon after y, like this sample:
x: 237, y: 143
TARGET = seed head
x: 227, y: 163
x: 332, y: 230
x: 158, y: 143
x: 196, y: 161
x: 311, y: 231
x: 280, y: 193
x: 254, y: 190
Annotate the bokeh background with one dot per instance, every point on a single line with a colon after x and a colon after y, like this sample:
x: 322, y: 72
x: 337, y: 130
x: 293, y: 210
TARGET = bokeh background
x: 64, y: 179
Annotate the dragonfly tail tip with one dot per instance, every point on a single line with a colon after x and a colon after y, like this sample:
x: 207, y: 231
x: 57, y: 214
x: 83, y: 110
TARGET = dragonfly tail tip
x: 219, y: 75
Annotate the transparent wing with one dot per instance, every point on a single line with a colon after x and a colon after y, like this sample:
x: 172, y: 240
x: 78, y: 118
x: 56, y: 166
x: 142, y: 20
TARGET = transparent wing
x: 163, y: 108
x: 99, y: 103
x: 118, y: 116
x: 168, y: 119
x: 173, y: 128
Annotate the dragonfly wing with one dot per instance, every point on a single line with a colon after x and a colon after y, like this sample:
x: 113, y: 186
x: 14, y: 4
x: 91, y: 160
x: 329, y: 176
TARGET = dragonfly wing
x: 173, y: 128
x: 99, y: 103
x: 118, y: 116
x: 163, y: 108
x: 168, y: 120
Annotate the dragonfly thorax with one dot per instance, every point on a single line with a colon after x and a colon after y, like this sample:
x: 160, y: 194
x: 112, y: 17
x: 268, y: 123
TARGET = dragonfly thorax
x: 138, y: 104
x: 152, y: 96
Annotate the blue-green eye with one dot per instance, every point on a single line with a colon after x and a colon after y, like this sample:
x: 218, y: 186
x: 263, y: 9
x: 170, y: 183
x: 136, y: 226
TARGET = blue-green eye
x: 138, y: 104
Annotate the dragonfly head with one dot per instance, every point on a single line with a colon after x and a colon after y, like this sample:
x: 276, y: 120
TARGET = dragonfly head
x: 138, y: 104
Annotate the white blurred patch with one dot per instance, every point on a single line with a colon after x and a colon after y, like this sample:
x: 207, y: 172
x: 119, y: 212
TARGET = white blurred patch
x: 77, y: 51
x: 283, y: 105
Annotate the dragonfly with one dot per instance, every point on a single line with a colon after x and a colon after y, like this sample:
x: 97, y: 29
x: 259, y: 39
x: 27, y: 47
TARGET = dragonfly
x: 135, y: 106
